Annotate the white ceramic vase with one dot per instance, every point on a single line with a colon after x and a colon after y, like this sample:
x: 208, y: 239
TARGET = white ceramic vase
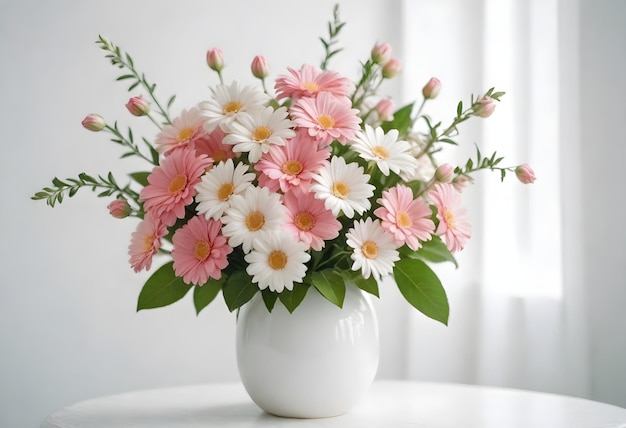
x: 316, y: 362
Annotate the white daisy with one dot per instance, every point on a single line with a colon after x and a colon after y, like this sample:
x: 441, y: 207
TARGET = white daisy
x: 254, y: 211
x: 343, y: 187
x: 374, y: 249
x: 218, y: 185
x: 277, y: 261
x: 255, y: 131
x: 227, y: 102
x: 386, y: 150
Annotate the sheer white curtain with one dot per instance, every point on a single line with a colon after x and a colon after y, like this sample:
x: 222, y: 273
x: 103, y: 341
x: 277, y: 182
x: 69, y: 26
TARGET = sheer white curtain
x: 517, y: 302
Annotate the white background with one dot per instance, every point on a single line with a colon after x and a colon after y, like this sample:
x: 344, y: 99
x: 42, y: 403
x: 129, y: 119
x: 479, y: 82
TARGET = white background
x: 68, y: 326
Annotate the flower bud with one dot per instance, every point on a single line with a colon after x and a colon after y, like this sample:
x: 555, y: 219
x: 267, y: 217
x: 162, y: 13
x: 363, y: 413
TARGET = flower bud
x: 391, y: 68
x: 137, y: 106
x: 215, y: 59
x: 460, y: 182
x: 260, y: 68
x: 444, y: 173
x: 484, y: 106
x: 94, y: 122
x: 119, y: 208
x: 381, y: 53
x: 385, y: 108
x: 432, y: 88
x: 525, y: 174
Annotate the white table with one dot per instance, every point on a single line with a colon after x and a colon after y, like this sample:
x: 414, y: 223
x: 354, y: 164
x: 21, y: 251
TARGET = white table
x: 389, y: 404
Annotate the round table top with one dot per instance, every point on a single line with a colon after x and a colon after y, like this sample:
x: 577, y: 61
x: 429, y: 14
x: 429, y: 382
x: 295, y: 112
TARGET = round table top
x: 388, y: 404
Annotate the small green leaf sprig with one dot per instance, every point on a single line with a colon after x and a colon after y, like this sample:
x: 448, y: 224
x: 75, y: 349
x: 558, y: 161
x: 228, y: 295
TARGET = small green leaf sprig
x: 124, y: 61
x: 334, y: 28
x: 108, y: 184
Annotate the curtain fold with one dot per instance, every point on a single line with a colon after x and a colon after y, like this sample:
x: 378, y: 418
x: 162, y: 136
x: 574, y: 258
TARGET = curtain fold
x: 517, y: 311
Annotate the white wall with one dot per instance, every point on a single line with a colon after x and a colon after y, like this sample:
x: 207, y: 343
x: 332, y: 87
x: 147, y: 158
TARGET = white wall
x: 68, y: 326
x: 602, y: 112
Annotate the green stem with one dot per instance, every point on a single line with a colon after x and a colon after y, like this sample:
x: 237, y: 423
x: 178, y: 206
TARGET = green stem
x: 116, y: 57
x: 127, y: 143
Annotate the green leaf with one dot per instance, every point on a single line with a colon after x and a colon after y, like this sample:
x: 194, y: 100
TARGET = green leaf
x: 269, y: 298
x: 171, y: 101
x: 205, y: 294
x: 140, y: 177
x: 238, y: 289
x: 434, y: 251
x: 331, y: 285
x: 162, y: 288
x: 369, y: 285
x: 401, y: 120
x: 292, y: 299
x: 421, y: 287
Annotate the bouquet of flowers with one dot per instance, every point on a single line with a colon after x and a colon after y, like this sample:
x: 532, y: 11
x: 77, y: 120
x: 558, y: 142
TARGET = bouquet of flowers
x: 316, y: 183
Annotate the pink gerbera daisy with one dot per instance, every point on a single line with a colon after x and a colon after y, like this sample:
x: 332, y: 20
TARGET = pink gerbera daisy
x: 212, y: 145
x: 184, y: 131
x: 453, y: 223
x: 200, y: 251
x: 327, y: 118
x: 310, y: 81
x: 173, y: 185
x: 145, y: 242
x: 406, y: 219
x: 308, y: 219
x: 291, y: 165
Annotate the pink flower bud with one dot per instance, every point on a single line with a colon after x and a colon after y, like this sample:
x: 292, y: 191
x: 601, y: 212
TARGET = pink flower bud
x: 260, y: 67
x: 94, y: 122
x: 385, y: 108
x: 215, y: 59
x: 444, y: 173
x: 484, y: 106
x: 381, y: 53
x: 432, y: 88
x: 137, y: 106
x: 391, y: 68
x: 119, y: 208
x: 460, y: 182
x: 525, y: 174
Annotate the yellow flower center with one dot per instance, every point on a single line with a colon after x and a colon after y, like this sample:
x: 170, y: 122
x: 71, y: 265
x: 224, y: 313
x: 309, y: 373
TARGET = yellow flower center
x: 262, y: 133
x: 255, y: 220
x: 326, y: 121
x: 369, y: 249
x: 202, y: 250
x: 277, y: 260
x: 185, y: 134
x: 310, y: 86
x: 232, y: 107
x: 304, y: 221
x: 403, y: 220
x: 177, y: 184
x: 380, y: 152
x: 292, y: 167
x: 448, y: 216
x: 219, y: 155
x: 341, y: 189
x: 225, y: 190
x: 147, y: 243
